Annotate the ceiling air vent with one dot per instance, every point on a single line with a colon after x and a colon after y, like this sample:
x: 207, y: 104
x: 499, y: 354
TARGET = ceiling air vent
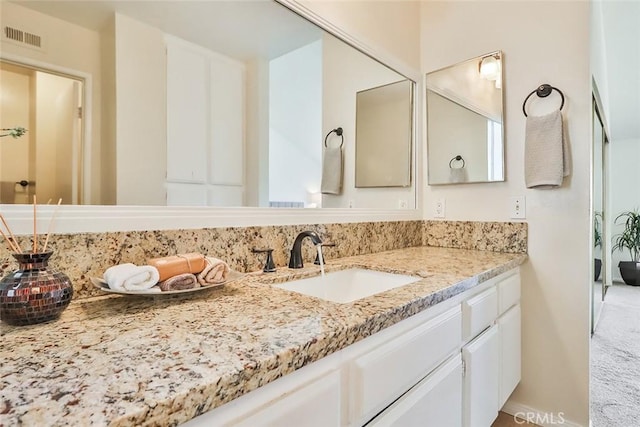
x: 22, y: 37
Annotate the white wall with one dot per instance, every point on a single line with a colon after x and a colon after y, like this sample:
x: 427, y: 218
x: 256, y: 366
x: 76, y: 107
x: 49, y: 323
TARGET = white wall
x: 257, y: 143
x: 390, y: 26
x: 68, y: 46
x: 599, y: 61
x: 345, y: 72
x: 295, y: 124
x: 459, y: 131
x: 107, y: 150
x: 624, y: 185
x: 141, y: 156
x: 556, y: 279
x: 54, y: 109
x: 15, y: 154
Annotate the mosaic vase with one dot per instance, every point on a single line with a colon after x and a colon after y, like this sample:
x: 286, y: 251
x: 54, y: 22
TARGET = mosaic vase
x: 34, y: 293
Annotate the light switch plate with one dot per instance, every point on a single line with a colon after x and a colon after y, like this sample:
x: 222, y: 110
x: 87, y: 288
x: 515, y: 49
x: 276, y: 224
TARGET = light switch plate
x: 440, y: 208
x: 518, y: 207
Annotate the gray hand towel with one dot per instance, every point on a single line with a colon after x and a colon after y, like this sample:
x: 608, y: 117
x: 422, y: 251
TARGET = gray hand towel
x: 457, y: 175
x: 332, y: 171
x: 546, y: 151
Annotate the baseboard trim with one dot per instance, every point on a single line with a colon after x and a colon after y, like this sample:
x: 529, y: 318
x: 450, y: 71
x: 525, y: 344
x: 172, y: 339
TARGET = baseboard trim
x: 541, y: 418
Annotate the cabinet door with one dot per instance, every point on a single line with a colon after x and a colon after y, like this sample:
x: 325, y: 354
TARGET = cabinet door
x: 510, y: 352
x: 481, y: 380
x: 434, y: 402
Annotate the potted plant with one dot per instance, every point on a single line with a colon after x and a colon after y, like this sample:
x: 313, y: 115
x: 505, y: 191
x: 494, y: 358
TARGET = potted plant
x: 16, y: 132
x: 597, y: 243
x: 629, y: 239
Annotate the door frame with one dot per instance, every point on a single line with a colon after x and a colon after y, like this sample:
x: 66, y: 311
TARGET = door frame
x: 86, y: 144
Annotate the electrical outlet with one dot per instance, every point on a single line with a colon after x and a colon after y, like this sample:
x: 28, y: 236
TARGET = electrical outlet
x: 439, y: 208
x: 402, y: 204
x: 351, y: 204
x: 518, y: 207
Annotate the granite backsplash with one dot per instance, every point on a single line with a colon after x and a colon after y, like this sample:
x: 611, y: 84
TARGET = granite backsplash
x: 86, y: 255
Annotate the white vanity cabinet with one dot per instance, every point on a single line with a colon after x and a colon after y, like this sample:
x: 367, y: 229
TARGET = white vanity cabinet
x: 454, y: 364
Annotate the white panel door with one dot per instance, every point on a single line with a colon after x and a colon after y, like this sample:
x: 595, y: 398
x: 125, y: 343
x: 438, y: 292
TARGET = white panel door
x: 227, y: 122
x: 481, y: 380
x: 225, y: 195
x: 510, y: 352
x: 187, y: 114
x: 180, y: 194
x: 435, y: 402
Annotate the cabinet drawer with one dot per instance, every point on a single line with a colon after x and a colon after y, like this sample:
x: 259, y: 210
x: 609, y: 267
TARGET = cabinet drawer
x: 382, y: 375
x: 317, y: 404
x: 479, y: 312
x: 436, y: 401
x: 508, y: 293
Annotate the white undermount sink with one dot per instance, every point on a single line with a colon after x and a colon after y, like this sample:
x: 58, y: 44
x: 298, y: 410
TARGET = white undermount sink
x: 348, y: 285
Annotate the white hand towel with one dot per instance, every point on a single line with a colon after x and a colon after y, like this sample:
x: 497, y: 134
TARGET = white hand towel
x: 546, y: 151
x: 332, y: 171
x: 131, y: 277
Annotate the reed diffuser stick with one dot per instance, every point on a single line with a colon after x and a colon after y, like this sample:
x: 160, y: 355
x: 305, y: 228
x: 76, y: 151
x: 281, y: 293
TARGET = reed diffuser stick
x: 35, y: 233
x: 53, y: 217
x: 13, y: 242
x: 12, y: 246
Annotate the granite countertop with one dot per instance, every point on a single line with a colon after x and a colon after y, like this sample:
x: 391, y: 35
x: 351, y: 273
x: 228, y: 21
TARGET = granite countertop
x: 162, y: 360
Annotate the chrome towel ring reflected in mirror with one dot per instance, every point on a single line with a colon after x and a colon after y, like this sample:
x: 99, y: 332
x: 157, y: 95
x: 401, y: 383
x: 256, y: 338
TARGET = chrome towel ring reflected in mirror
x: 542, y: 91
x: 457, y: 158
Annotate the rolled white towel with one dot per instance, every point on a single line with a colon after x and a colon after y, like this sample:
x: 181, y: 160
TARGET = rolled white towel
x: 131, y: 277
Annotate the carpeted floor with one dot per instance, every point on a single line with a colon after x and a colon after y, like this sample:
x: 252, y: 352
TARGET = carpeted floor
x: 615, y: 360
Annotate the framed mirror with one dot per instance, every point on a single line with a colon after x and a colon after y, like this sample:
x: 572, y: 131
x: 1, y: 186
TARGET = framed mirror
x: 186, y: 103
x: 383, y: 135
x: 465, y: 122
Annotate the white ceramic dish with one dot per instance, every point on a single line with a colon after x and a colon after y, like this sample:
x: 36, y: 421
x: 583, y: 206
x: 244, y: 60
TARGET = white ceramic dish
x: 102, y: 285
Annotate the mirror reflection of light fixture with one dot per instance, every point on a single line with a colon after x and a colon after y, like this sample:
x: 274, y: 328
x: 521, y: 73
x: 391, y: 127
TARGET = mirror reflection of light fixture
x: 490, y: 69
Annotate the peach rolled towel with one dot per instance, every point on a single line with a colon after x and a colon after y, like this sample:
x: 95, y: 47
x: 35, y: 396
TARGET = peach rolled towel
x: 180, y: 282
x: 215, y: 271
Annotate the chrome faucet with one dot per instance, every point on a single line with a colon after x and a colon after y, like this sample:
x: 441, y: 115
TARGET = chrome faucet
x: 296, y: 252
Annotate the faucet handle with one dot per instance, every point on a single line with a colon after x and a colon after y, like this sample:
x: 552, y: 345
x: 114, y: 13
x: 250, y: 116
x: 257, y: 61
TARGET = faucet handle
x: 329, y: 245
x: 269, y: 266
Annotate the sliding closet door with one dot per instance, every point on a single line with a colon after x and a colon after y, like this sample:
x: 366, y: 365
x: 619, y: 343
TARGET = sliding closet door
x: 601, y: 247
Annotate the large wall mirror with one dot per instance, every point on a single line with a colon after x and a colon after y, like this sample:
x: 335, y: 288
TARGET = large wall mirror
x: 180, y: 103
x: 465, y: 131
